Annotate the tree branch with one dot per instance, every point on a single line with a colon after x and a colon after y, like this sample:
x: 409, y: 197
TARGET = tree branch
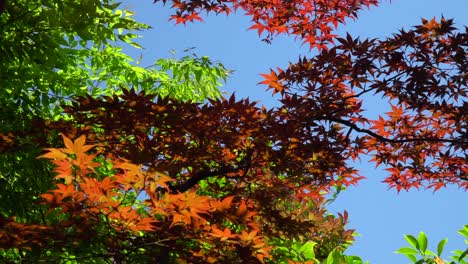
x: 183, y: 186
x: 2, y: 5
x: 390, y: 140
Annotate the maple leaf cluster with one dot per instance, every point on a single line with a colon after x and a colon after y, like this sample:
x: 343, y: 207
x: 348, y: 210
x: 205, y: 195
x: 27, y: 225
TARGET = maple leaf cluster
x: 421, y: 73
x: 313, y: 21
x: 153, y: 209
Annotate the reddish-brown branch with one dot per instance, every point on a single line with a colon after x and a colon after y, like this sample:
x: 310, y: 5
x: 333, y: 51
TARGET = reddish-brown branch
x: 391, y: 140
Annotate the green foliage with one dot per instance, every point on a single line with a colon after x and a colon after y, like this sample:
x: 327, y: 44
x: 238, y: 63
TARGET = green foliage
x: 190, y: 78
x: 337, y: 257
x: 418, y: 252
x: 53, y: 50
x: 48, y: 46
x: 299, y: 252
x: 294, y: 250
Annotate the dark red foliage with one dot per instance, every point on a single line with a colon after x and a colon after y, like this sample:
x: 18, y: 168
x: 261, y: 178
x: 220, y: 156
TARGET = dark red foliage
x: 420, y: 73
x: 235, y: 138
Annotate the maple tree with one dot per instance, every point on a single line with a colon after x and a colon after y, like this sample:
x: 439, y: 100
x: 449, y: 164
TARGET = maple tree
x: 56, y: 50
x: 209, y: 184
x: 96, y: 201
x: 421, y: 72
x: 164, y: 180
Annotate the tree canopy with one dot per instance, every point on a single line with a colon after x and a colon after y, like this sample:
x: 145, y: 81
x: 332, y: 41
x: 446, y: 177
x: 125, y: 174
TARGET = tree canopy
x: 154, y: 166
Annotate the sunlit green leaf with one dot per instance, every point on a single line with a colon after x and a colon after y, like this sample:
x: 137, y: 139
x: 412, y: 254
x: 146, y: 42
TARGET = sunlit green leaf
x: 422, y: 242
x: 412, y: 241
x: 440, y: 246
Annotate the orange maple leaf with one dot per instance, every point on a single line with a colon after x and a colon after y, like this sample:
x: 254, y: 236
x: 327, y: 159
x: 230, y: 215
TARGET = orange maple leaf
x: 76, y: 147
x: 53, y: 154
x: 64, y: 170
x: 224, y: 204
x: 243, y: 212
x: 248, y: 236
x: 273, y: 81
x: 223, y: 235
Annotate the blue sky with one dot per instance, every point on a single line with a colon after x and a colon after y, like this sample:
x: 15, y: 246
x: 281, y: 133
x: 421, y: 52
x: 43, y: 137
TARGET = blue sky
x: 380, y: 215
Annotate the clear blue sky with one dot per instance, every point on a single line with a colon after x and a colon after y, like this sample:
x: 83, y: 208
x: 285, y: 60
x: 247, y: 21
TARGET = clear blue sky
x: 380, y: 215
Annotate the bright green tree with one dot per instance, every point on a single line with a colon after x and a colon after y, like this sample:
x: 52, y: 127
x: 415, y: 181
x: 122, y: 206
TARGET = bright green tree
x: 419, y: 253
